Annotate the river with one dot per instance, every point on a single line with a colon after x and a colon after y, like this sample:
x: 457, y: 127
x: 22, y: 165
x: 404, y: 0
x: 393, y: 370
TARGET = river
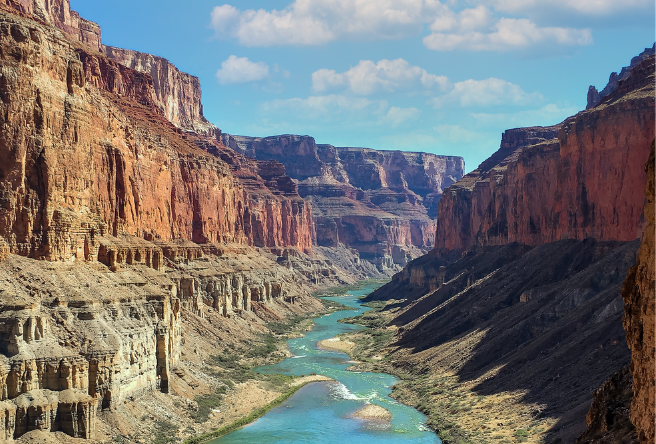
x: 320, y: 412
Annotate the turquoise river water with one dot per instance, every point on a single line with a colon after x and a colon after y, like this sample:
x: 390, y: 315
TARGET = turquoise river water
x: 320, y: 412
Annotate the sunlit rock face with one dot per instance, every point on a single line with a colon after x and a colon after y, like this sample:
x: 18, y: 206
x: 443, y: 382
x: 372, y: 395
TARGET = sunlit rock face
x: 381, y: 203
x: 582, y: 178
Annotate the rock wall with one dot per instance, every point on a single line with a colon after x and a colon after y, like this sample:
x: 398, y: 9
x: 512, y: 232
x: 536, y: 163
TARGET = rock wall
x: 381, y: 203
x: 64, y: 107
x: 584, y: 182
x: 640, y: 319
x: 595, y: 96
x: 177, y: 94
x: 58, y: 13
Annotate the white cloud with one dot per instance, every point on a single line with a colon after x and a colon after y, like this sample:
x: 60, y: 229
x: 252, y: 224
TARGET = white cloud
x: 315, y: 22
x: 396, y: 116
x: 593, y: 8
x: 488, y: 92
x: 312, y: 22
x: 348, y: 110
x: 368, y: 77
x: 506, y: 34
x: 241, y: 70
x: 327, y: 107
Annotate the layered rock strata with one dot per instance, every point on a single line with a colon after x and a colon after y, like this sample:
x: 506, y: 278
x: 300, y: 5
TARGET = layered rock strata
x: 381, y: 203
x: 525, y: 280
x: 571, y: 185
x: 595, y: 96
x: 177, y: 94
x: 65, y: 107
x: 640, y: 319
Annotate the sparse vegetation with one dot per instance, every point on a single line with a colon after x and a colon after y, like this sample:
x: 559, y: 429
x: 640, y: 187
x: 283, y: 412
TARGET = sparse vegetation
x: 165, y: 433
x: 246, y: 420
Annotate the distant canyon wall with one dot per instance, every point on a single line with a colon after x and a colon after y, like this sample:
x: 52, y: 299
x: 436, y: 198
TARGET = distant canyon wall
x: 381, y: 203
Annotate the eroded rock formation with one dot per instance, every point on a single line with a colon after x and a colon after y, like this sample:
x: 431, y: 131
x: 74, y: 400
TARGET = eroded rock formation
x: 177, y: 94
x: 523, y: 289
x: 381, y: 203
x: 639, y: 294
x: 595, y: 96
x: 573, y: 184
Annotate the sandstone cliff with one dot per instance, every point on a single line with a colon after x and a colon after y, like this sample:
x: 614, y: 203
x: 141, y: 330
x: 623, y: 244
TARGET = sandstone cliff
x: 639, y: 319
x: 381, y: 203
x: 582, y: 182
x: 522, y: 294
x: 177, y: 94
x: 64, y: 107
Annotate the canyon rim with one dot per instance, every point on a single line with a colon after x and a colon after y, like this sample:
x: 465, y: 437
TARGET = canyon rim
x: 150, y: 261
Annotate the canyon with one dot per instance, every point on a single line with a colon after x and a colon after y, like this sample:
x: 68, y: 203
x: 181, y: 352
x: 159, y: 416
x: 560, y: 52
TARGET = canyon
x: 383, y: 204
x: 146, y: 257
x: 522, y: 297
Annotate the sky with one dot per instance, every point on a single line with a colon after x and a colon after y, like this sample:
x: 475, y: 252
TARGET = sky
x: 415, y: 75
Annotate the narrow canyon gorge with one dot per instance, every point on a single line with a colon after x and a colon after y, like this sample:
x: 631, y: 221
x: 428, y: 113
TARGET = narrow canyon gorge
x: 149, y: 261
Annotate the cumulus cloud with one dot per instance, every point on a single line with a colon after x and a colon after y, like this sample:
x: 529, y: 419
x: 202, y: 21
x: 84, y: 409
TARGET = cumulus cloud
x: 327, y: 107
x: 396, y: 116
x: 346, y: 110
x: 483, y: 93
x: 506, y: 34
x: 312, y: 22
x: 368, y: 77
x: 241, y: 70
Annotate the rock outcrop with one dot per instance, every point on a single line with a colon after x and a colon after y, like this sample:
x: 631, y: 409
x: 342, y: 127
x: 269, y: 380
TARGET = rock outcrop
x: 58, y: 13
x: 582, y: 182
x: 608, y: 417
x: 595, y: 96
x: 523, y: 291
x: 380, y: 203
x: 639, y: 294
x: 177, y: 94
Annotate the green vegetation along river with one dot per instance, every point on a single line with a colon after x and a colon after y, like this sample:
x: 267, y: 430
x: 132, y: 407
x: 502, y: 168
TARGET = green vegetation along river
x: 322, y: 412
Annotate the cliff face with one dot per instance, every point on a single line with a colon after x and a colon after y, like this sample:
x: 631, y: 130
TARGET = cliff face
x: 573, y: 186
x: 65, y: 107
x: 595, y: 96
x: 640, y: 319
x: 58, y: 13
x: 523, y: 292
x: 177, y: 94
x: 381, y: 203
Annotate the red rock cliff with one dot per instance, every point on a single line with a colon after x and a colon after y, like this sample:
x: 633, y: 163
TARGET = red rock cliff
x: 177, y: 94
x: 542, y: 186
x: 640, y: 319
x: 381, y: 203
x: 86, y: 152
x: 58, y: 13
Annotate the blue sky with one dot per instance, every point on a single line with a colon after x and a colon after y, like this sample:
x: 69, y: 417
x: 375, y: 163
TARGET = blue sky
x: 417, y: 75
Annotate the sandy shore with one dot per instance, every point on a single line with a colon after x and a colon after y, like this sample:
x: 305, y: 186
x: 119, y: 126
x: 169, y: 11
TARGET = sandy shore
x: 373, y: 412
x: 251, y: 395
x: 336, y: 344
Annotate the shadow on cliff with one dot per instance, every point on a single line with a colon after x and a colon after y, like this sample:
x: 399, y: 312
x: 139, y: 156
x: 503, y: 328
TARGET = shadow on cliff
x: 552, y: 316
